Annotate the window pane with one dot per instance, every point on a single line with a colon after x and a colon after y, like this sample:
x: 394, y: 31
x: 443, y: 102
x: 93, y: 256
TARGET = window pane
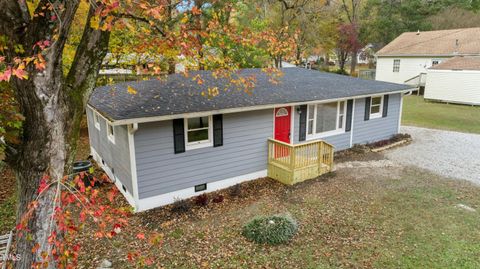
x: 326, y: 117
x: 311, y: 111
x: 340, y: 122
x: 310, y: 127
x: 376, y: 100
x: 342, y: 107
x: 196, y: 123
x: 375, y: 109
x: 199, y: 135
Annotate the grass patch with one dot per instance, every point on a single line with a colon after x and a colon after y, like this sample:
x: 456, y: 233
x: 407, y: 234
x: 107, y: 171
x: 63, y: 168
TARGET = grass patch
x: 462, y: 118
x: 7, y: 213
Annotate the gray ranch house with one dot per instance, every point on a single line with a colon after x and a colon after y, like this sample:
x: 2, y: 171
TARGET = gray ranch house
x: 169, y: 142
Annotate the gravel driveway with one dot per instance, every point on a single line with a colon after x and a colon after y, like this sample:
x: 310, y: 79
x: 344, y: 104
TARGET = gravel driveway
x: 450, y: 154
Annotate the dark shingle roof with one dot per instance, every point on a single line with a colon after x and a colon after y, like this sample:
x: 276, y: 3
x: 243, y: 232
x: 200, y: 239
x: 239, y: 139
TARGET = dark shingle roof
x: 179, y: 94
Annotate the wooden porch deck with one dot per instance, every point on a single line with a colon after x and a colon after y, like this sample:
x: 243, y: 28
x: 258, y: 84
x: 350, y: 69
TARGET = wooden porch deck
x: 292, y: 164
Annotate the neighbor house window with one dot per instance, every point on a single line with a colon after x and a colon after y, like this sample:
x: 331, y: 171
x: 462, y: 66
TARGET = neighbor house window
x: 198, y: 132
x: 111, y: 132
x: 96, y: 120
x: 376, y: 107
x: 396, y: 65
x: 326, y: 119
x: 435, y: 62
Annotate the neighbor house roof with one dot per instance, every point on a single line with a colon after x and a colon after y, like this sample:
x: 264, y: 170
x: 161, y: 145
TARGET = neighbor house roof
x: 178, y: 94
x: 435, y: 43
x: 459, y: 63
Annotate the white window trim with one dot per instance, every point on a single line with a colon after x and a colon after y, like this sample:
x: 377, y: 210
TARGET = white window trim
x: 380, y: 112
x: 111, y: 137
x: 199, y: 144
x: 329, y: 133
x: 96, y: 120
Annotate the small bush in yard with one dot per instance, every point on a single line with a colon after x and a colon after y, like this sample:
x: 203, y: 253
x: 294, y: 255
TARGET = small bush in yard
x: 201, y: 200
x: 272, y: 230
x: 400, y: 137
x: 218, y: 199
x: 180, y: 206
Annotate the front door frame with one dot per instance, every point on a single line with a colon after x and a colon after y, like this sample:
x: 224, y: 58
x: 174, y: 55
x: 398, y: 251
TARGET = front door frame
x: 292, y: 126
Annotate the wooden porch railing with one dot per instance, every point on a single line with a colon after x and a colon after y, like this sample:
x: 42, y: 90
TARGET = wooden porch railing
x: 291, y: 164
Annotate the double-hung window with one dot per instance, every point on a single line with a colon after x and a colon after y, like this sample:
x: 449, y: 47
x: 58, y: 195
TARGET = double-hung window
x: 198, y: 132
x: 326, y: 119
x: 96, y: 120
x: 376, y: 107
x: 111, y: 132
x: 396, y: 65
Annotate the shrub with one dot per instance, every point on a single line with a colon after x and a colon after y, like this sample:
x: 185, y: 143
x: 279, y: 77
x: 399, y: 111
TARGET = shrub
x: 180, y: 206
x: 218, y: 199
x: 341, y: 72
x: 399, y: 137
x: 236, y: 190
x: 272, y: 230
x: 201, y: 200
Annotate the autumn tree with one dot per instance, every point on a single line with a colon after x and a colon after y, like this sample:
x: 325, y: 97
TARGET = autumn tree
x: 51, y: 91
x: 347, y: 43
x: 387, y: 19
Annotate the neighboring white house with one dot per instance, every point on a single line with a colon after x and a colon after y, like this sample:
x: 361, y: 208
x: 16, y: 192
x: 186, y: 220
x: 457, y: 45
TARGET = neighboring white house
x: 456, y: 80
x: 407, y: 58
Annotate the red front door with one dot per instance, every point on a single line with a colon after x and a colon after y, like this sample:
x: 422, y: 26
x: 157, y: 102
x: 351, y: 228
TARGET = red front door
x: 282, y: 124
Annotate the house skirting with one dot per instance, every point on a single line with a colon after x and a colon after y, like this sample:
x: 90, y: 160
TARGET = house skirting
x: 169, y: 198
x: 114, y: 179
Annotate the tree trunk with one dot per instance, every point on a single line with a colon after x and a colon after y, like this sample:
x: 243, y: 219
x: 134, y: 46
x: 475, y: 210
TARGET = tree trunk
x: 43, y: 153
x: 353, y: 64
x: 53, y: 106
x: 298, y: 54
x: 326, y: 61
x: 171, y: 66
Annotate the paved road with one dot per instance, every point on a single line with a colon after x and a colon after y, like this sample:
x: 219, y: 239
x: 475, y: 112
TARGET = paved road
x: 450, y: 154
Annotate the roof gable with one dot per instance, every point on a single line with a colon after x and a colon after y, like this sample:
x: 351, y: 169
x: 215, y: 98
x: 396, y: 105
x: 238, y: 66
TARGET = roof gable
x: 435, y: 43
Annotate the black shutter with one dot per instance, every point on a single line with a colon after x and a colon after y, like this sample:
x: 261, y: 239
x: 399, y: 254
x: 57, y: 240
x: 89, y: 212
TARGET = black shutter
x: 178, y: 135
x: 348, y: 126
x: 217, y: 130
x: 302, y: 134
x: 368, y: 100
x: 385, y: 106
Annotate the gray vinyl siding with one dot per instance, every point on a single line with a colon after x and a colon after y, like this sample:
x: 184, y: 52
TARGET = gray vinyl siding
x: 363, y: 131
x: 116, y: 156
x: 244, y: 151
x: 376, y: 129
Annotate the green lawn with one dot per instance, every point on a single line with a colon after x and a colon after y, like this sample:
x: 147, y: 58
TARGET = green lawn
x: 452, y: 117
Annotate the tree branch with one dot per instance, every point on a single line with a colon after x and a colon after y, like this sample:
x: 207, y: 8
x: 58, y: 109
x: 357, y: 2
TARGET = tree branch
x: 142, y: 19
